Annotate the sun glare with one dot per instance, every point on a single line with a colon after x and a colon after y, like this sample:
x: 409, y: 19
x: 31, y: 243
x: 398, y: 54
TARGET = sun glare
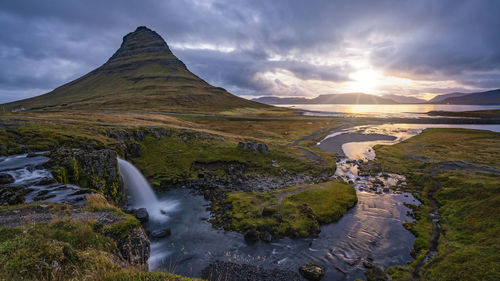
x: 365, y: 81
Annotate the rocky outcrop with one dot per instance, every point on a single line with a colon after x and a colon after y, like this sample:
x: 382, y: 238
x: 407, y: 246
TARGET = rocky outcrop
x: 93, y: 169
x: 312, y: 272
x: 12, y: 195
x: 6, y: 179
x: 135, y: 247
x: 220, y: 270
x: 141, y: 214
x: 252, y: 146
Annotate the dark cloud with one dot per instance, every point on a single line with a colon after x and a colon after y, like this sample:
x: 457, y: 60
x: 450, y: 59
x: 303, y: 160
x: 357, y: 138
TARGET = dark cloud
x: 46, y: 43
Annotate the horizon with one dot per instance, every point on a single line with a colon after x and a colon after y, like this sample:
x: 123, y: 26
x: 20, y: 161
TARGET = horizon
x: 255, y: 49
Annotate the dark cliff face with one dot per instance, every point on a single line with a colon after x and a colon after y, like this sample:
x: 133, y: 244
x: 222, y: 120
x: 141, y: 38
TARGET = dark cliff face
x: 96, y: 170
x: 140, y: 48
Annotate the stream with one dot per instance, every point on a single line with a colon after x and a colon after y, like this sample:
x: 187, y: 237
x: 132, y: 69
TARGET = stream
x: 372, y: 231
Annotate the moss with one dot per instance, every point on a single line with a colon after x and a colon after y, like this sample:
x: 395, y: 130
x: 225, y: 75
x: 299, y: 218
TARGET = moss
x: 468, y: 197
x: 173, y: 158
x: 60, y: 175
x: 293, y: 211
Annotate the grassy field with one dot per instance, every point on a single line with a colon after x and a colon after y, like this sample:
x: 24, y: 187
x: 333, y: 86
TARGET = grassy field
x: 455, y: 171
x: 68, y: 249
x: 294, y: 211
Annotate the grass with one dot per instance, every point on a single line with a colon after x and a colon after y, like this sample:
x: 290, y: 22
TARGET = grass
x: 64, y: 250
x: 300, y: 208
x: 176, y: 158
x: 468, y: 198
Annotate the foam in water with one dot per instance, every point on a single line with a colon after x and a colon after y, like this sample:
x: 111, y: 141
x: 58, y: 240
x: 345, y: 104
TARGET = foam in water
x: 142, y: 195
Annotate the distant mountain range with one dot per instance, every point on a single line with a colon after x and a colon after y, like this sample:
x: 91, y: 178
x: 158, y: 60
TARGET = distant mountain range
x: 349, y: 98
x: 482, y: 98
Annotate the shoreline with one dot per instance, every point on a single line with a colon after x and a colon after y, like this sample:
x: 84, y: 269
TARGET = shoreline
x: 334, y: 144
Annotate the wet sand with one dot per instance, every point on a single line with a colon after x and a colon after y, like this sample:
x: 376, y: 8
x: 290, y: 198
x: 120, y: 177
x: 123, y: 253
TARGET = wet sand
x: 334, y: 144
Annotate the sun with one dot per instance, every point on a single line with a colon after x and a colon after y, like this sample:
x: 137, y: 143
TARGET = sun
x: 365, y: 81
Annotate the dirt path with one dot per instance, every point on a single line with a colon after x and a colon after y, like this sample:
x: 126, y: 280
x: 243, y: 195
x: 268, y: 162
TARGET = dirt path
x: 283, y: 195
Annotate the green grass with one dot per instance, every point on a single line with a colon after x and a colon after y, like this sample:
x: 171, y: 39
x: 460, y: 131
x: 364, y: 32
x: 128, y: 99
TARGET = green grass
x: 469, y: 246
x: 173, y: 158
x: 301, y: 208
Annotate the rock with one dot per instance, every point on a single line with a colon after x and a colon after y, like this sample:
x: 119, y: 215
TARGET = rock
x: 141, y: 214
x: 312, y: 272
x: 220, y: 270
x: 367, y: 264
x: 251, y: 235
x: 267, y: 237
x: 267, y: 212
x: 31, y: 154
x: 251, y: 146
x: 278, y: 217
x: 92, y: 169
x: 46, y: 181
x: 376, y: 274
x: 135, y: 247
x: 161, y: 233
x: 6, y: 179
x: 134, y: 150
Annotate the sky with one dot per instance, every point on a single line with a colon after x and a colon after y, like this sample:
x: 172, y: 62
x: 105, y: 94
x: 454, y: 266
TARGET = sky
x: 263, y: 48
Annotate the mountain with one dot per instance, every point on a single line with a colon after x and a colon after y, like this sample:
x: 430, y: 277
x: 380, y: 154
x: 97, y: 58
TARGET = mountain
x: 276, y: 100
x: 482, y: 98
x: 142, y: 75
x: 349, y: 98
x: 440, y: 98
x: 404, y: 99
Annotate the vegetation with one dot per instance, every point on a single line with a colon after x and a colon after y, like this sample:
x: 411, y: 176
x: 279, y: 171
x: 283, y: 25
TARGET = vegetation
x: 69, y: 249
x: 455, y: 171
x: 495, y: 113
x: 293, y: 211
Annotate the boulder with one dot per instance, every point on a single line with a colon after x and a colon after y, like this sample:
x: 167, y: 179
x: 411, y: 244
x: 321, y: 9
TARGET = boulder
x: 6, y: 179
x: 376, y: 274
x: 252, y: 146
x: 142, y: 214
x: 251, y: 235
x: 135, y: 247
x: 160, y: 233
x: 311, y: 272
x: 267, y: 237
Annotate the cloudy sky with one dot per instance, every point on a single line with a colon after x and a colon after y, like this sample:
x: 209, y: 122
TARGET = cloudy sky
x: 256, y: 48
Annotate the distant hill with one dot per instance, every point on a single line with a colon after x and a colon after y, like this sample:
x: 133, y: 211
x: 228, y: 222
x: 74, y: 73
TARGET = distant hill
x: 276, y: 100
x: 349, y: 98
x: 404, y: 99
x: 483, y: 98
x: 440, y: 98
x: 142, y: 75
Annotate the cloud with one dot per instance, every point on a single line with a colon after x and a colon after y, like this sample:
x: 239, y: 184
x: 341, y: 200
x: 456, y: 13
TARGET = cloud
x: 280, y: 47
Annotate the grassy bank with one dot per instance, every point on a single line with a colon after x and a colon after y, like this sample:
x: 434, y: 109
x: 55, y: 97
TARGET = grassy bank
x: 294, y: 211
x: 456, y: 172
x: 73, y: 245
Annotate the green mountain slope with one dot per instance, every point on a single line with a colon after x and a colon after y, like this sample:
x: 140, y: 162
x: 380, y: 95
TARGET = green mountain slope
x: 142, y: 75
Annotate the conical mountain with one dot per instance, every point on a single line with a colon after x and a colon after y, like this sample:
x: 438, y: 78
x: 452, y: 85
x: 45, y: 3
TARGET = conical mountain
x: 142, y: 75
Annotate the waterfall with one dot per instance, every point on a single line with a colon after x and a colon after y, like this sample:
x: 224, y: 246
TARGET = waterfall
x: 142, y: 195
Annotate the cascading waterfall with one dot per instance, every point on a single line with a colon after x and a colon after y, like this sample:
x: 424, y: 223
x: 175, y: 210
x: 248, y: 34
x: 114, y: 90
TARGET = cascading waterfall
x: 141, y: 193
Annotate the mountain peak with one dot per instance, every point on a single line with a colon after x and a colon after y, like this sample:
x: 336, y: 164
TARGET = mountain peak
x: 143, y: 75
x: 142, y: 41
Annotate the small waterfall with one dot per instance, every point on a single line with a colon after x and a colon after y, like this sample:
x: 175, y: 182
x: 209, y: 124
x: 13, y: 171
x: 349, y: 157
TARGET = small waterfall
x: 141, y: 193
